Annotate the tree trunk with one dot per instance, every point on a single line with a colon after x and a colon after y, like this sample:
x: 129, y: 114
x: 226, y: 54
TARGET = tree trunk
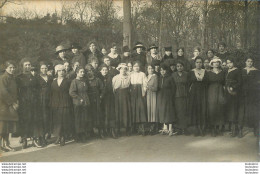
x: 245, y: 24
x: 204, y: 27
x: 127, y: 23
x: 160, y: 26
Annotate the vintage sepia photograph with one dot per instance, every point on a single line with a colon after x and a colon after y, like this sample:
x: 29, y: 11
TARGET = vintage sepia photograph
x: 129, y: 81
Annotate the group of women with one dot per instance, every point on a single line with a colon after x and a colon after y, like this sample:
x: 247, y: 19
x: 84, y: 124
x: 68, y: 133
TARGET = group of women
x: 110, y: 95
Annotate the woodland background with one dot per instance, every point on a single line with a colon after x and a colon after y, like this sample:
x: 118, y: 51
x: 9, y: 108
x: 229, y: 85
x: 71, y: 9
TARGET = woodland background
x: 165, y: 22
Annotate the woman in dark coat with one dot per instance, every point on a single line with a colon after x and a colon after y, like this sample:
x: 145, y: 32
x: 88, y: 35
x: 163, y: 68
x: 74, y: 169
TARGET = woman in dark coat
x: 78, y: 92
x: 232, y: 91
x: 95, y: 87
x: 216, y: 97
x: 139, y: 55
x: 165, y: 101
x: 107, y: 101
x: 249, y: 103
x: 198, y: 97
x: 114, y: 56
x: 45, y: 87
x: 60, y: 103
x: 181, y: 97
x: 8, y: 105
x: 180, y: 57
x: 121, y: 88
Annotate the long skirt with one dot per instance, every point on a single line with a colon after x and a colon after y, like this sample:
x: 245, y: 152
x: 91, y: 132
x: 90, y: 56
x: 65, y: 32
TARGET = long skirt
x: 62, y: 121
x: 231, y: 108
x: 81, y: 119
x: 25, y: 123
x: 181, y: 112
x: 46, y: 114
x: 123, y: 108
x: 108, y: 110
x: 138, y: 105
x: 7, y: 127
x: 95, y: 111
x: 216, y: 103
x: 151, y: 106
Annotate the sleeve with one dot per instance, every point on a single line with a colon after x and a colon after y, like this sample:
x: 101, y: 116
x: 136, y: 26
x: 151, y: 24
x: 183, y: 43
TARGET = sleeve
x: 73, y: 90
x: 154, y: 86
x: 144, y: 82
x: 173, y: 86
x: 101, y: 87
x: 238, y: 80
x: 5, y: 95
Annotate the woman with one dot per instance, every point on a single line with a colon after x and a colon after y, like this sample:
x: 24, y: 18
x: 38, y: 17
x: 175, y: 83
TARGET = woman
x: 78, y: 92
x: 206, y: 64
x: 180, y: 57
x: 94, y: 93
x: 77, y: 55
x: 210, y: 54
x: 181, y: 97
x: 139, y: 54
x: 93, y: 52
x: 8, y: 105
x: 198, y: 98
x: 130, y: 67
x: 61, y: 55
x: 152, y: 86
x: 249, y: 98
x: 232, y: 90
x: 60, y: 103
x: 153, y: 55
x: 216, y: 97
x: 107, y: 101
x: 165, y: 111
x: 45, y: 87
x: 121, y: 84
x: 138, y: 104
x: 115, y: 57
x: 196, y: 53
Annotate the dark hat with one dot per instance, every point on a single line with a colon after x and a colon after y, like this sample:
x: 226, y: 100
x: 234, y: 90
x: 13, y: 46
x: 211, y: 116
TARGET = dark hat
x: 126, y: 49
x: 139, y: 45
x: 75, y: 45
x: 60, y: 48
x: 168, y: 48
x: 152, y: 46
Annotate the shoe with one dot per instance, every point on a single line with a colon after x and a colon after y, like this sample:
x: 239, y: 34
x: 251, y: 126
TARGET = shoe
x: 113, y: 134
x: 57, y: 141
x: 36, y: 144
x: 171, y: 133
x: 24, y: 143
x: 62, y: 141
x: 7, y: 146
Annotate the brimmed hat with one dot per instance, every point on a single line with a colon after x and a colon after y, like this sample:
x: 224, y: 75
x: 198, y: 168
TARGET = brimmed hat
x: 126, y: 49
x: 152, y: 46
x: 122, y: 65
x: 139, y: 45
x: 169, y: 48
x: 75, y: 45
x: 215, y: 59
x: 60, y: 48
x: 59, y: 67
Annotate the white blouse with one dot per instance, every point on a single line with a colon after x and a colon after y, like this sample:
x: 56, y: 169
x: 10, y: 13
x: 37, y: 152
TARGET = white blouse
x: 139, y: 78
x: 120, y: 81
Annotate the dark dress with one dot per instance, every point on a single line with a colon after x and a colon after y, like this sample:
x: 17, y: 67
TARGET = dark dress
x: 115, y: 61
x: 223, y: 56
x: 108, y: 102
x: 8, y: 96
x: 78, y: 91
x: 181, y: 99
x: 249, y: 99
x: 30, y: 114
x: 165, y: 100
x: 186, y: 62
x: 198, y: 100
x: 216, y: 98
x: 141, y: 58
x: 61, y: 110
x: 233, y: 79
x: 125, y: 59
x: 95, y: 87
x: 45, y: 88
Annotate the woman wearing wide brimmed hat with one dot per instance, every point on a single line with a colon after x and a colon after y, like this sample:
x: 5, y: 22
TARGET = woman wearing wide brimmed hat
x: 216, y: 97
x: 121, y: 84
x: 153, y: 54
x: 61, y: 52
x: 77, y: 55
x: 139, y: 54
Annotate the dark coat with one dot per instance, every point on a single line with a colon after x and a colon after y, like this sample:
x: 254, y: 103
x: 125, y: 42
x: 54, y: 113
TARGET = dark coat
x: 88, y: 55
x: 141, y: 58
x: 8, y: 96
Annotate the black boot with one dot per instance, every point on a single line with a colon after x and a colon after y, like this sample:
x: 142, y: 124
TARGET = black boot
x: 24, y: 143
x: 62, y: 141
x: 36, y: 143
x: 58, y: 140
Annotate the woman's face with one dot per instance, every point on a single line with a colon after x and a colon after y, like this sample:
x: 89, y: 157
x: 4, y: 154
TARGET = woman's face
x: 75, y: 50
x: 81, y: 73
x: 10, y: 69
x: 224, y: 65
x: 206, y: 63
x: 150, y: 70
x: 130, y: 67
x: 136, y: 67
x: 67, y: 66
x: 33, y: 72
x: 221, y: 48
x: 92, y: 47
x: 104, y: 51
x: 179, y: 67
x: 113, y: 49
x: 180, y: 52
x: 44, y: 69
x: 62, y: 54
x: 138, y: 50
x: 26, y: 66
x: 104, y: 71
x: 173, y: 67
x: 198, y: 63
x: 153, y: 51
x: 249, y: 63
x: 230, y: 64
x: 126, y: 54
x: 216, y: 64
x: 163, y: 71
x: 90, y: 72
x: 196, y: 53
x: 123, y: 71
x: 210, y: 54
x: 61, y: 73
x: 168, y: 53
x: 156, y: 68
x: 107, y: 61
x: 75, y: 66
x: 94, y: 64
